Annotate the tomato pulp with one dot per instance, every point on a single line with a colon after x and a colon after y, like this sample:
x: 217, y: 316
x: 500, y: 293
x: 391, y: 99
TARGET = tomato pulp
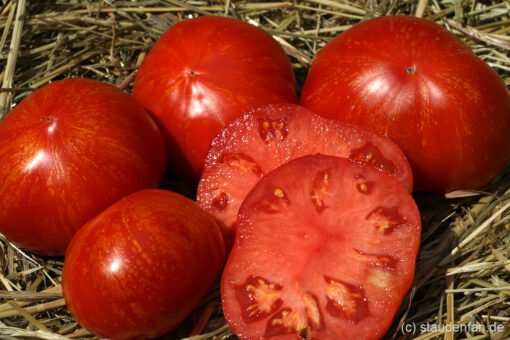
x: 205, y: 72
x: 68, y: 151
x: 269, y: 136
x: 140, y: 267
x: 417, y: 83
x: 325, y: 249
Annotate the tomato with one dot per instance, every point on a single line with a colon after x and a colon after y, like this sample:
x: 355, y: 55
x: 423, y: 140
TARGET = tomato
x: 417, y: 83
x: 141, y: 266
x: 68, y: 151
x: 268, y: 136
x: 205, y: 72
x: 325, y: 249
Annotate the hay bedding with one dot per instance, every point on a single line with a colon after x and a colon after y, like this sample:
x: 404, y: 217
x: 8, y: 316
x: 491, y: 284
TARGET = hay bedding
x: 464, y: 261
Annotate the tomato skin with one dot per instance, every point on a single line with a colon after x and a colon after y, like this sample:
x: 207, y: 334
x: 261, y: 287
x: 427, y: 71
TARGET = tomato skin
x: 140, y: 267
x: 203, y: 73
x: 420, y: 85
x: 68, y: 151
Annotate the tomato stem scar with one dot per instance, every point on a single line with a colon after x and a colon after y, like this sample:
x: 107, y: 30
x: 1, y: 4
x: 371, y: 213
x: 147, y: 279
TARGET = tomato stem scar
x: 411, y: 70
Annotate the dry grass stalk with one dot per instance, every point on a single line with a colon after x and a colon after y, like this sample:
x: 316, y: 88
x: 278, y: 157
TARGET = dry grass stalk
x: 464, y: 263
x: 8, y: 74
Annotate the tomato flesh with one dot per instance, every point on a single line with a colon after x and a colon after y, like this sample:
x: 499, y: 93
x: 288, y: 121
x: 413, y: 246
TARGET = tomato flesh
x: 317, y: 256
x: 268, y: 136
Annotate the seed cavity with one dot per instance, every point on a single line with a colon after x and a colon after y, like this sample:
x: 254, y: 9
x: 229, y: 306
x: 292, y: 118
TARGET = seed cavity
x: 376, y: 260
x: 258, y: 298
x: 364, y: 186
x: 288, y: 321
x: 241, y: 162
x: 272, y: 131
x: 385, y: 220
x: 274, y: 202
x: 320, y: 188
x: 278, y: 193
x: 370, y: 154
x: 313, y: 313
x: 345, y: 301
x: 220, y: 201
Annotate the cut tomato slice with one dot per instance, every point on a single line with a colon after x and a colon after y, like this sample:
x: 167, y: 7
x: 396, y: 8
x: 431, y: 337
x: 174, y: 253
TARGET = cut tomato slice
x: 325, y: 249
x: 269, y: 136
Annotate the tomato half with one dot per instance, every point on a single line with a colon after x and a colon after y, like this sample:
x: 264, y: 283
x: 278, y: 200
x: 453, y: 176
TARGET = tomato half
x: 414, y: 81
x: 203, y: 73
x: 67, y: 152
x: 140, y: 267
x: 269, y: 136
x: 325, y: 249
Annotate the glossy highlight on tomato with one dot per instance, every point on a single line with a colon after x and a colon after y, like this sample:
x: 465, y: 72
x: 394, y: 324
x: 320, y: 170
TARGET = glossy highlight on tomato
x: 67, y: 152
x: 325, y: 249
x: 271, y: 135
x: 415, y: 82
x: 203, y: 73
x: 140, y: 267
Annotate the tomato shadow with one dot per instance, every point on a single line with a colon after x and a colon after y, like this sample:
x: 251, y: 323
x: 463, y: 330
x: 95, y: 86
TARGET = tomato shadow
x: 176, y: 177
x: 176, y: 184
x: 207, y: 317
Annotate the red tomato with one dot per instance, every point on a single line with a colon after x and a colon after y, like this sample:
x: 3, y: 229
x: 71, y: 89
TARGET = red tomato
x: 203, y: 73
x: 141, y: 266
x: 266, y: 137
x: 415, y: 82
x: 325, y: 249
x: 68, y: 151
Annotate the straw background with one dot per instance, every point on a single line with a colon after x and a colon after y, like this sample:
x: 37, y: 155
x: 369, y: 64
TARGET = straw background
x: 463, y: 269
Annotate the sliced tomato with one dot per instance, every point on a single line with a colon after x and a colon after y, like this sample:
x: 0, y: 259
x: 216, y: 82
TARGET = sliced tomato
x: 269, y: 136
x: 325, y: 249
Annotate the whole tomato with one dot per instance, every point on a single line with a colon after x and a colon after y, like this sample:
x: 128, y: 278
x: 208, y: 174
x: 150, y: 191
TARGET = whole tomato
x: 205, y: 72
x: 68, y: 151
x: 140, y: 267
x: 417, y: 83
